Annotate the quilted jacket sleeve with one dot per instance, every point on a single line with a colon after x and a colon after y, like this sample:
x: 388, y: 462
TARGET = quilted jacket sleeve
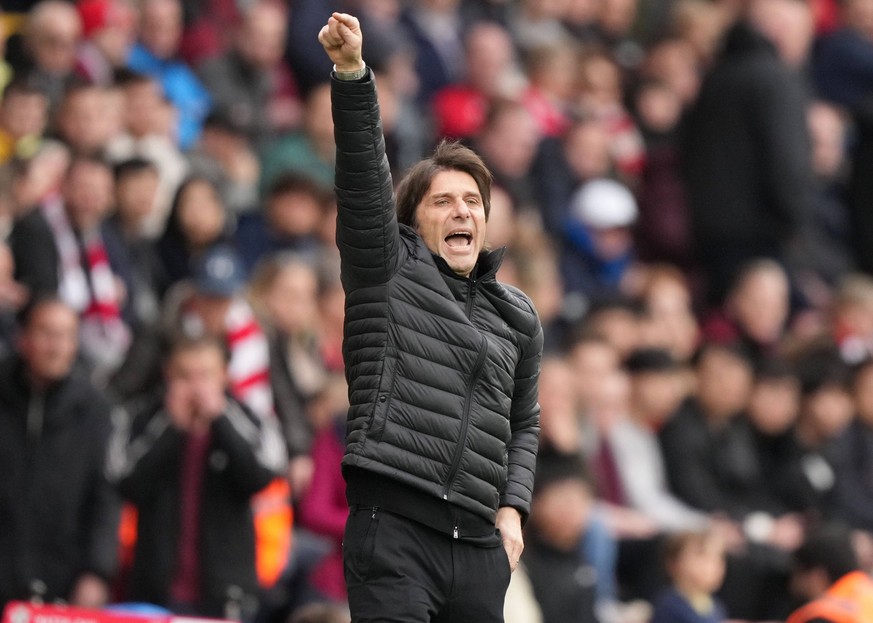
x: 525, y: 424
x: 367, y: 235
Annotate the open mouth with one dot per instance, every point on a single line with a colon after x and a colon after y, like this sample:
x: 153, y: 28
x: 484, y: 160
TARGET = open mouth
x: 459, y: 239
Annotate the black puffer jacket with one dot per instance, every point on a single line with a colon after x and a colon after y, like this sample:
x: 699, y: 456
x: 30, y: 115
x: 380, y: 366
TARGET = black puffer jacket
x: 442, y: 369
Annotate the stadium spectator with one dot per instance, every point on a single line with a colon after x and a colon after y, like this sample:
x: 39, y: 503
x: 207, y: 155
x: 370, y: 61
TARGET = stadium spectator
x: 160, y: 33
x: 749, y: 176
x: 696, y: 564
x: 59, y: 511
x: 190, y: 459
x: 250, y: 84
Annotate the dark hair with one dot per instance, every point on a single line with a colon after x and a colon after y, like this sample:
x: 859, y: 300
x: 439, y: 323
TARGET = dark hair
x: 24, y: 84
x: 448, y: 156
x: 678, y: 542
x: 829, y: 548
x: 133, y: 166
x: 42, y: 299
x: 294, y: 183
x: 181, y: 342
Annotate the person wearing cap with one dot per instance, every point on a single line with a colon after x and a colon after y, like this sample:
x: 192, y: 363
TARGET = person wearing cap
x: 190, y: 458
x: 597, y: 248
x: 212, y: 303
x: 443, y: 364
x: 827, y: 572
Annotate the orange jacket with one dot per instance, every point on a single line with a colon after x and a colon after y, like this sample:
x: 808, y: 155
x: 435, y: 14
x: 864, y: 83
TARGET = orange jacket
x: 849, y: 600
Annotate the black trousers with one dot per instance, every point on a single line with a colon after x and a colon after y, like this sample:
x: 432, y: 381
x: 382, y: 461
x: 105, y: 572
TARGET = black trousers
x: 400, y: 571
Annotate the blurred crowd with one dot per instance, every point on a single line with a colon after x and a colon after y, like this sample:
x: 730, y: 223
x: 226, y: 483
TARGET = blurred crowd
x: 684, y: 190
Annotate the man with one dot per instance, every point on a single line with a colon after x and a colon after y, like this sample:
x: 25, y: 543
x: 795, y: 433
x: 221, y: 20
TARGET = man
x: 59, y: 515
x: 442, y: 363
x: 93, y: 264
x: 160, y: 35
x: 249, y: 83
x: 746, y: 147
x: 190, y: 462
x: 826, y: 570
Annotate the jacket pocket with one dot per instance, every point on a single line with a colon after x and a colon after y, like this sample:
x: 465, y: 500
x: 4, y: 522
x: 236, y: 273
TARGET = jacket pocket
x: 383, y: 399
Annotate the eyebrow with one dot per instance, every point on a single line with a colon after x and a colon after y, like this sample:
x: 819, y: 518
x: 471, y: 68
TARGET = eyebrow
x: 449, y: 195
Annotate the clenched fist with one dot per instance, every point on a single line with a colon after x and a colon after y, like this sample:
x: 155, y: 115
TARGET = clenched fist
x: 342, y: 40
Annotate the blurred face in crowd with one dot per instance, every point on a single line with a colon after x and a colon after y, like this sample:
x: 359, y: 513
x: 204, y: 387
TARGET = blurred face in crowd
x: 787, y: 24
x: 118, y: 34
x: 451, y: 220
x: 592, y: 362
x: 760, y: 304
x: 509, y: 141
x: 212, y: 312
x: 674, y: 63
x: 826, y: 412
x: 724, y: 382
x: 294, y: 213
x: 774, y: 405
x: 864, y: 393
x: 617, y: 16
x: 201, y: 214
x: 161, y: 27
x: 318, y: 121
x: 135, y: 196
x: 656, y: 395
x: 85, y: 121
x: 262, y: 37
x: 658, y: 107
x: 52, y: 32
x: 600, y: 84
x: 144, y: 104
x: 49, y: 342
x: 858, y: 15
x: 501, y: 219
x: 586, y: 147
x: 89, y: 191
x: 561, y: 513
x: 23, y: 113
x: 620, y: 327
x: 670, y: 321
x: 700, y: 566
x: 557, y: 397
x: 292, y: 298
x: 490, y: 57
x: 199, y: 371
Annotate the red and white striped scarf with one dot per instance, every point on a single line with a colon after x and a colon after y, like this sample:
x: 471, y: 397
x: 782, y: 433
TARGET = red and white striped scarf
x: 249, y: 369
x: 87, y: 283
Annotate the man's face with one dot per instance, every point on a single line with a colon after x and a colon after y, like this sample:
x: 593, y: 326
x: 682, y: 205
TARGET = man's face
x: 202, y: 370
x: 88, y: 193
x: 451, y: 220
x: 49, y: 343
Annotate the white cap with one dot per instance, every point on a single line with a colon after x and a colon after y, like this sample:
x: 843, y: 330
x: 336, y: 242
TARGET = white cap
x: 603, y: 204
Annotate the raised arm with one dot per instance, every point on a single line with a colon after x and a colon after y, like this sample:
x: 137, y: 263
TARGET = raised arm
x: 367, y: 231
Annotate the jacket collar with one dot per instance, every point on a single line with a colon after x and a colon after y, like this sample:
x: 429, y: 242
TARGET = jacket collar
x: 486, y: 266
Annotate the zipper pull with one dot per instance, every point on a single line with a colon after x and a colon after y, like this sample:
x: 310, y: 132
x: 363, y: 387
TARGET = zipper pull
x: 455, y: 534
x: 373, y: 516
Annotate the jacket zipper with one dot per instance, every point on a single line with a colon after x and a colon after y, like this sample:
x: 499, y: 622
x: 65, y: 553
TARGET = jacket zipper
x: 468, y: 402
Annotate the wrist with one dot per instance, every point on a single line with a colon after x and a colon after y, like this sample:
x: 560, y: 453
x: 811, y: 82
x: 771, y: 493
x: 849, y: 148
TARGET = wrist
x: 355, y: 71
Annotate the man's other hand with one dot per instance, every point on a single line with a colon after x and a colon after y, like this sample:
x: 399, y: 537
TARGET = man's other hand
x: 509, y: 524
x: 342, y: 40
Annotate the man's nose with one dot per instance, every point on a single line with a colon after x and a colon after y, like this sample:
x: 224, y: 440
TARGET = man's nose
x: 461, y: 209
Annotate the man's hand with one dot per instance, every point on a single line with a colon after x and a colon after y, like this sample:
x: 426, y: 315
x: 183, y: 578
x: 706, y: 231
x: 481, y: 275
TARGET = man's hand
x: 509, y: 524
x: 342, y: 40
x: 179, y: 405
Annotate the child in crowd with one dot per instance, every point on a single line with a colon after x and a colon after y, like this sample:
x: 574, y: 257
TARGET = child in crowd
x: 696, y: 564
